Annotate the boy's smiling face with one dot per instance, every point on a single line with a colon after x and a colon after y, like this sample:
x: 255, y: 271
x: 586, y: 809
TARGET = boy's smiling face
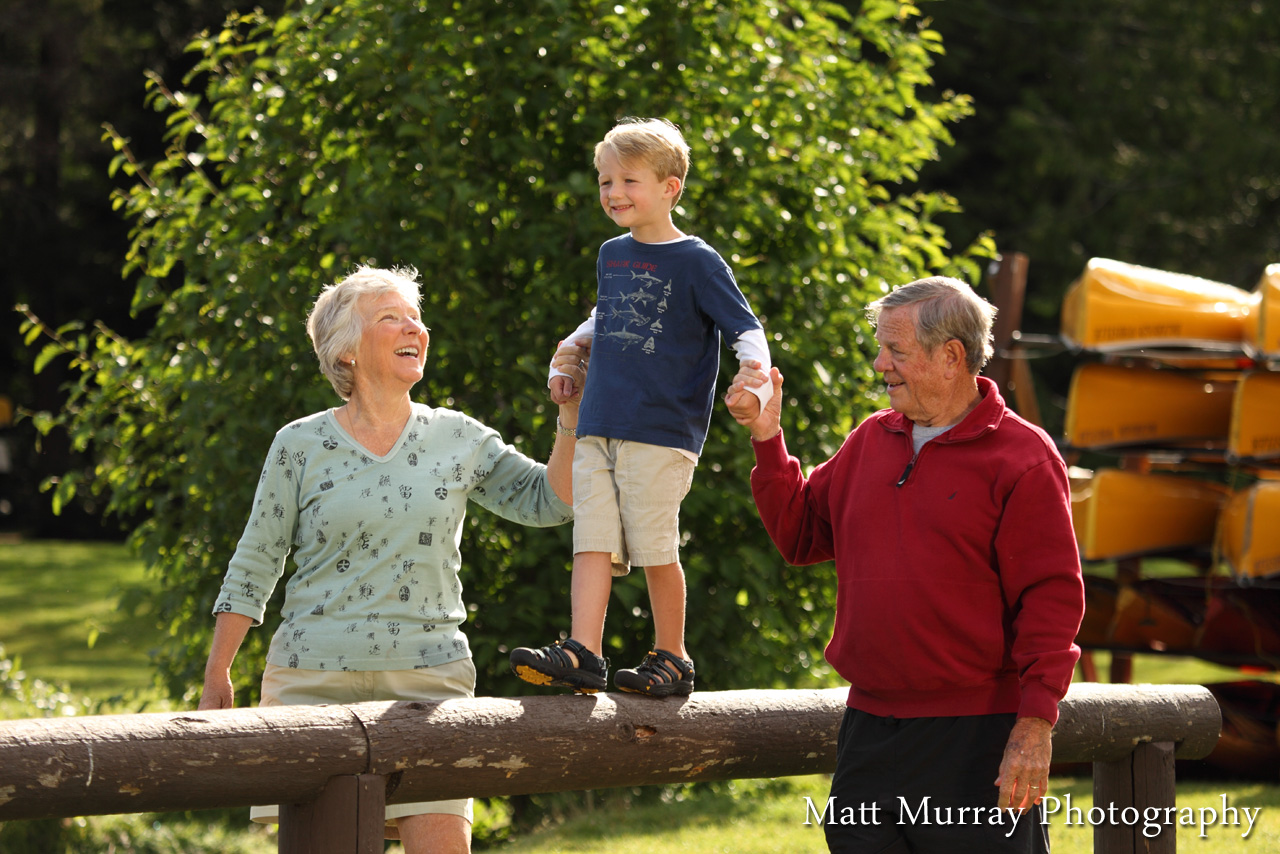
x: 635, y: 198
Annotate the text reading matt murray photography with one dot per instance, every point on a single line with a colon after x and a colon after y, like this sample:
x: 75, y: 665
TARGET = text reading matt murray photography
x: 1151, y: 819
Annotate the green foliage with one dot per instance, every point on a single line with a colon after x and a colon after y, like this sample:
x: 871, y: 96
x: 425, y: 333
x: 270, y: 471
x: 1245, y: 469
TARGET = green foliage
x: 71, y: 64
x: 24, y: 697
x: 457, y: 137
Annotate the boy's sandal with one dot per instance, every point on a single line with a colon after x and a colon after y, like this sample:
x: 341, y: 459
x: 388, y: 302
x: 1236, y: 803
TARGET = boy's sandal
x: 661, y: 674
x: 551, y: 665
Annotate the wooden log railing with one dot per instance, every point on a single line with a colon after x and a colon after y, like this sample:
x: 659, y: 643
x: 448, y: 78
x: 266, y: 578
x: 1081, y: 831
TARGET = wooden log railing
x: 335, y: 767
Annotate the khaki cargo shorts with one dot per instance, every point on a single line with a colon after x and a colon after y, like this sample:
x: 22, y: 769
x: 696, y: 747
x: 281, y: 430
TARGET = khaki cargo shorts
x: 626, y: 500
x: 285, y: 686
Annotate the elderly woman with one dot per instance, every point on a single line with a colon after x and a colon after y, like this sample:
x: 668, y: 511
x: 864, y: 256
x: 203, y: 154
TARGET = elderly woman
x: 369, y: 497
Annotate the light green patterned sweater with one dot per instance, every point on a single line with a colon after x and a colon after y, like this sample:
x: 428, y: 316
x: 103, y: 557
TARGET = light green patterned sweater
x: 375, y: 539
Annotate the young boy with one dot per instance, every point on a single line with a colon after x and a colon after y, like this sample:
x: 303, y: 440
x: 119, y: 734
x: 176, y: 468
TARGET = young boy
x: 664, y: 299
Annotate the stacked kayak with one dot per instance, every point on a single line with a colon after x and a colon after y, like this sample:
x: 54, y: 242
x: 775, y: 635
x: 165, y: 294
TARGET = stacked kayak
x: 1179, y: 386
x: 1114, y: 306
x: 1111, y: 406
x: 1248, y: 532
x: 1120, y: 514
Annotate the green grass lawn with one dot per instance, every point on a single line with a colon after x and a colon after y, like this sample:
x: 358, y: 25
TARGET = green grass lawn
x: 59, y: 613
x: 744, y: 817
x: 1175, y: 670
x: 768, y: 818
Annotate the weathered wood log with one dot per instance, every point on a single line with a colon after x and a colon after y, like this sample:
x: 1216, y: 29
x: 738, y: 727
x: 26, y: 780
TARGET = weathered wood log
x: 1104, y: 722
x: 108, y: 764
x: 545, y: 744
x: 494, y: 746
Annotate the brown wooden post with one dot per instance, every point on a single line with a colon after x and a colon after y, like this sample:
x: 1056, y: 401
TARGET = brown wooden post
x: 347, y: 818
x: 1012, y: 375
x: 1128, y: 572
x: 1155, y: 786
x: 1137, y: 782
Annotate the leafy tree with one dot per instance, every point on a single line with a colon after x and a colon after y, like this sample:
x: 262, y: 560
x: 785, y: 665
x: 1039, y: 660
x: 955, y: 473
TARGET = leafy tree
x: 457, y: 137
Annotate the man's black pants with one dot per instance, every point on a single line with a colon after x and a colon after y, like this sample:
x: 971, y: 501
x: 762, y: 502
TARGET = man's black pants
x: 925, y: 786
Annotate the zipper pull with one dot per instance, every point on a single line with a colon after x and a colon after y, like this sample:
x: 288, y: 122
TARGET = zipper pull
x: 906, y: 472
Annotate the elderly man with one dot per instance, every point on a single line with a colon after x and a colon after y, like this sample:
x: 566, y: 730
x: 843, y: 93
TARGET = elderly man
x: 959, y: 588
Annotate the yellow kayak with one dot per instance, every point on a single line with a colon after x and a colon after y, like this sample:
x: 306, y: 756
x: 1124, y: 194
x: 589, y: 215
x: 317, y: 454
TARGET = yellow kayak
x: 1266, y: 325
x: 1114, y: 305
x: 1110, y: 406
x: 1248, y: 535
x: 1214, y: 618
x: 1118, y: 513
x: 1255, y: 418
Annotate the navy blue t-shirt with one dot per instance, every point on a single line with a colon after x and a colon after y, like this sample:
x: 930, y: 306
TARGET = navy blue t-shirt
x: 660, y: 312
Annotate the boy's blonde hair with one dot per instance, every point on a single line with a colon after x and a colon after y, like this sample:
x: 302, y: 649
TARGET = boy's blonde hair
x: 656, y: 143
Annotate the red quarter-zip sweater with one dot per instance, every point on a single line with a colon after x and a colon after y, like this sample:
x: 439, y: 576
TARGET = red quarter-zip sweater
x: 959, y: 587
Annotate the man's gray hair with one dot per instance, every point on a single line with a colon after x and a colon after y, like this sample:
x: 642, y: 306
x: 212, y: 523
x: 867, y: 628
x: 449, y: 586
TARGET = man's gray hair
x: 948, y: 309
x: 336, y: 324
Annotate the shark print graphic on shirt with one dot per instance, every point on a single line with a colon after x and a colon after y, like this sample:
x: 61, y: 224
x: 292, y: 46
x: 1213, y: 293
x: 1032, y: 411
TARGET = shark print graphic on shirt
x: 661, y: 313
x: 630, y: 318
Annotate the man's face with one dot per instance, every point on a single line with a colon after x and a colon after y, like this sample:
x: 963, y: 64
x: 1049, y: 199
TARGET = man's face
x: 917, y: 381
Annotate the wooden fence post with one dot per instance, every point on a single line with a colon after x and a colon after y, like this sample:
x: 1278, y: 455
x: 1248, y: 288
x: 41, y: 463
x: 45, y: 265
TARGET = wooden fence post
x: 1009, y: 372
x: 347, y: 818
x: 1140, y: 781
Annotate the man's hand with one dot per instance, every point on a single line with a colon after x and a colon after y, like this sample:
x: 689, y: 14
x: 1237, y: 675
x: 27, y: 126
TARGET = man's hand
x: 1024, y: 771
x: 745, y: 406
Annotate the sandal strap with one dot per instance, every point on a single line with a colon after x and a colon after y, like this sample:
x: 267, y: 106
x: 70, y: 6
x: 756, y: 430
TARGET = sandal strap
x: 665, y: 667
x: 557, y: 655
x: 583, y: 654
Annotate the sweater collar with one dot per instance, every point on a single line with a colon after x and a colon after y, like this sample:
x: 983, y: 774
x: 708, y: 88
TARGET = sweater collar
x: 986, y: 416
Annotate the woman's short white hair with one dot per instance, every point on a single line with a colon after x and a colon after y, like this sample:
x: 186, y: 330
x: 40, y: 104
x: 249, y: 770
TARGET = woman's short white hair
x: 335, y: 323
x: 948, y: 309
